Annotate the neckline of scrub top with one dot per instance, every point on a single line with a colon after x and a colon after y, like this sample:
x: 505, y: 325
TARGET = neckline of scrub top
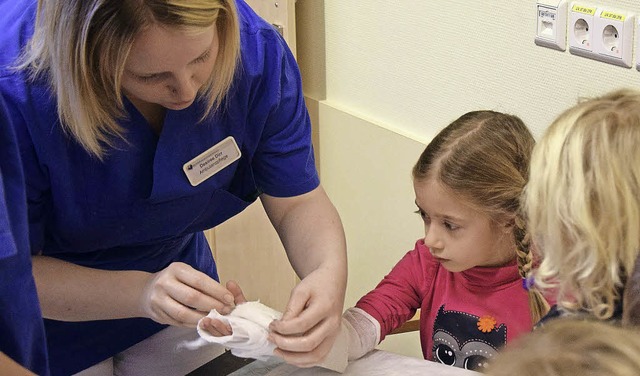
x: 182, y: 138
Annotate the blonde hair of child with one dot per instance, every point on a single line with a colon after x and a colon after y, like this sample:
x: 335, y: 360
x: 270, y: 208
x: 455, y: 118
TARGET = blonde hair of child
x: 567, y: 347
x: 483, y: 157
x: 583, y: 202
x: 80, y: 48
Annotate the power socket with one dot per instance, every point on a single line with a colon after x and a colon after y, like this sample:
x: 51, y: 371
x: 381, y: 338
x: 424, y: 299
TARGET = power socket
x: 613, y: 37
x: 601, y: 34
x: 580, y: 29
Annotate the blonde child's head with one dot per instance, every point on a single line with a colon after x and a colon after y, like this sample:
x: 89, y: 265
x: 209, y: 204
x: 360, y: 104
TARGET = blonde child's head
x: 583, y: 202
x: 568, y: 347
x: 483, y: 158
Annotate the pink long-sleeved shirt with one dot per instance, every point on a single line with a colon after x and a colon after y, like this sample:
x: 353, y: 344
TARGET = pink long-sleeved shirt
x: 465, y: 317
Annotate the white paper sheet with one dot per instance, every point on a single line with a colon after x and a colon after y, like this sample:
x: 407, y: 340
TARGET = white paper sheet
x: 376, y: 363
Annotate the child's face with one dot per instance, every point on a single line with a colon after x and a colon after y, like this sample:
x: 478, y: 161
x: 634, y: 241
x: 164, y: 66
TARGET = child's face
x: 168, y: 66
x: 458, y: 236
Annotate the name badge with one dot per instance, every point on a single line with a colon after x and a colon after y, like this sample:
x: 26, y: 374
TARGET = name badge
x: 212, y: 161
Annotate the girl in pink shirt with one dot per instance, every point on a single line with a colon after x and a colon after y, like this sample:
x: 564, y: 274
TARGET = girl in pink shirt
x: 466, y: 275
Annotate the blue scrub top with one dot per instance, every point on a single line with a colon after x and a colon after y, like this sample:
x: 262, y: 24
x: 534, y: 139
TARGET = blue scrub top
x: 22, y: 335
x: 136, y: 210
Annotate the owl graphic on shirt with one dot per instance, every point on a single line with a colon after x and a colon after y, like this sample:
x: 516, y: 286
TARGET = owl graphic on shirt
x: 464, y: 340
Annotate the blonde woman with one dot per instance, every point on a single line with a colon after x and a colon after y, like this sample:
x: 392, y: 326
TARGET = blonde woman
x: 583, y: 207
x: 569, y: 347
x: 142, y: 123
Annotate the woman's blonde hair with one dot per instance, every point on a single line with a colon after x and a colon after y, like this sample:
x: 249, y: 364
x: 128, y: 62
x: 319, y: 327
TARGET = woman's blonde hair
x: 568, y: 347
x: 583, y: 202
x: 483, y: 157
x: 80, y: 47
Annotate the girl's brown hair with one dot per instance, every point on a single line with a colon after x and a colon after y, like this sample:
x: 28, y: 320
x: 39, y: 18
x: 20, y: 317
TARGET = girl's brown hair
x: 483, y: 157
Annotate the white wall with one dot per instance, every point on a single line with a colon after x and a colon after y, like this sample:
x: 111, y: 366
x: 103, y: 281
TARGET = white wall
x: 413, y: 66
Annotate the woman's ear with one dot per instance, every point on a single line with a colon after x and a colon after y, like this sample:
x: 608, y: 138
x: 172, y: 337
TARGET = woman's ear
x: 631, y: 297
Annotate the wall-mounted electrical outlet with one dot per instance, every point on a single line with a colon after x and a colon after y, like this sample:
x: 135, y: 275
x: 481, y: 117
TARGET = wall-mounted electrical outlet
x: 613, y: 37
x: 601, y: 34
x: 581, y: 29
x: 551, y: 29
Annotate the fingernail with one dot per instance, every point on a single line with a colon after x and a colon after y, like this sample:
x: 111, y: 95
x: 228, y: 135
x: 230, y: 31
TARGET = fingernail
x: 226, y: 310
x: 228, y: 298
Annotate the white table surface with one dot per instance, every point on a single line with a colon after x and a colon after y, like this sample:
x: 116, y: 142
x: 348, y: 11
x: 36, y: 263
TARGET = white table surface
x: 376, y: 363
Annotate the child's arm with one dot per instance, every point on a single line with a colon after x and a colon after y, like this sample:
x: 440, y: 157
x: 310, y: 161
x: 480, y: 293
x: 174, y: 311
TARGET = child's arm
x: 364, y: 332
x: 400, y: 294
x: 393, y: 302
x: 359, y: 334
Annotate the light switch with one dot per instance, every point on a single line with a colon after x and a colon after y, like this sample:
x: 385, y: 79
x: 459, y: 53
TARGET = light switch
x: 551, y: 29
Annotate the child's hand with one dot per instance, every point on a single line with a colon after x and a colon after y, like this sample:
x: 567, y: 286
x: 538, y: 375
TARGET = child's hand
x: 216, y: 328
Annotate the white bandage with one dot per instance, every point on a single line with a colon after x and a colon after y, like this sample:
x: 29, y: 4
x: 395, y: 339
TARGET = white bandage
x: 359, y: 334
x: 249, y: 322
x: 364, y: 333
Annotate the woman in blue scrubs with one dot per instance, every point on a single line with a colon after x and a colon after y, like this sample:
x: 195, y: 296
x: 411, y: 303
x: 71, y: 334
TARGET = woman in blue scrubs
x: 141, y: 124
x: 22, y: 336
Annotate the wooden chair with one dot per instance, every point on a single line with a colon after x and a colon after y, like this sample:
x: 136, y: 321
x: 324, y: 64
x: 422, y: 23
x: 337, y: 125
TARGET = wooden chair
x: 410, y: 326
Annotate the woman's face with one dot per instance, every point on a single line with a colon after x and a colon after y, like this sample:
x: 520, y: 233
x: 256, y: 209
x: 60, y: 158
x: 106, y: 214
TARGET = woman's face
x: 168, y: 66
x: 458, y: 236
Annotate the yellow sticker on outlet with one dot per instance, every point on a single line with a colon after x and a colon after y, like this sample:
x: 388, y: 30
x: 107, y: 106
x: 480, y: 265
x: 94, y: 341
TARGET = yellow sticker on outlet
x: 582, y: 9
x: 612, y: 16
